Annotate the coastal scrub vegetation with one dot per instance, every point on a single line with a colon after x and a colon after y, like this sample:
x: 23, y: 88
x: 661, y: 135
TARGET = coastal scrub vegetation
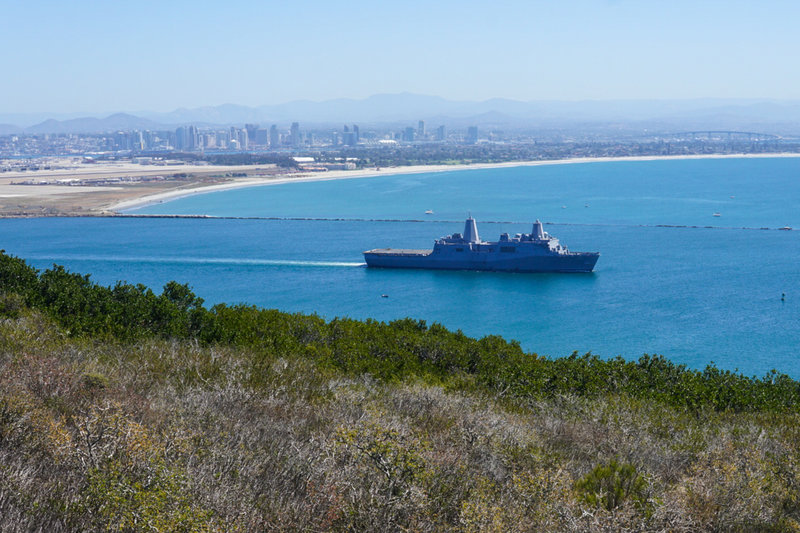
x: 125, y: 410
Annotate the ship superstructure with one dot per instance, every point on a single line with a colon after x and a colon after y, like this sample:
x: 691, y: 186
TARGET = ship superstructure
x: 524, y: 252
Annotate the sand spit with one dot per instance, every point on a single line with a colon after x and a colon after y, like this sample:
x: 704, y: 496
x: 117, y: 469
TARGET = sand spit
x: 388, y: 171
x: 58, y: 200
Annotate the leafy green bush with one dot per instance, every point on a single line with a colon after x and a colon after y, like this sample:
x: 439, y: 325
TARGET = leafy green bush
x: 389, y: 351
x: 121, y: 499
x: 612, y: 484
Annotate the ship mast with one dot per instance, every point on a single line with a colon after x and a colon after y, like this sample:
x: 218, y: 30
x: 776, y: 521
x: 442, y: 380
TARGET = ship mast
x: 471, y: 231
x: 538, y: 232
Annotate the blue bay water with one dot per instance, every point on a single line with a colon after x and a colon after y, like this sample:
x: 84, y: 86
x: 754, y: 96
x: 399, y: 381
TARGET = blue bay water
x: 695, y: 295
x: 765, y: 193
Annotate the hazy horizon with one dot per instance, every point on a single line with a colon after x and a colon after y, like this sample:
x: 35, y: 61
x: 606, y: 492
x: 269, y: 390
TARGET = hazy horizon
x: 402, y: 109
x: 93, y: 57
x: 108, y: 112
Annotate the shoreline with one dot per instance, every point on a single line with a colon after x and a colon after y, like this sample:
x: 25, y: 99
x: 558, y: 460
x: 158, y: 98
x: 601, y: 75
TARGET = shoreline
x: 160, y: 197
x: 88, y: 200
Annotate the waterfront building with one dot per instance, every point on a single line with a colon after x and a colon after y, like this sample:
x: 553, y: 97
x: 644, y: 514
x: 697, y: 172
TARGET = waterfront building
x: 274, y: 137
x: 149, y: 139
x: 223, y: 139
x: 137, y: 141
x: 251, y: 131
x: 261, y: 137
x: 180, y: 138
x: 121, y: 141
x: 472, y: 135
x: 192, y: 138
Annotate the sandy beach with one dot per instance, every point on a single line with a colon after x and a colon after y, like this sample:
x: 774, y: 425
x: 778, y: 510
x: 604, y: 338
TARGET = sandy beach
x: 87, y: 200
x: 385, y: 171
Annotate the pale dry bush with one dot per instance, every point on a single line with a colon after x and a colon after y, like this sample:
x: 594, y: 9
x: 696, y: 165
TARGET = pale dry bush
x: 735, y: 485
x: 275, y: 459
x: 285, y: 446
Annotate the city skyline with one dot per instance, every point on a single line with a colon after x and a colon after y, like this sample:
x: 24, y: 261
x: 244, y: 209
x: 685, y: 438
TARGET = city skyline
x: 776, y: 116
x: 92, y: 57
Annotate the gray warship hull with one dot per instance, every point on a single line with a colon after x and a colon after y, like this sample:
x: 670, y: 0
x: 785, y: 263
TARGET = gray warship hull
x: 389, y: 258
x: 533, y: 252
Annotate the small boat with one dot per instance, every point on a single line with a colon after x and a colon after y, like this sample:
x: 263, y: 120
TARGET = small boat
x: 717, y: 215
x: 429, y: 211
x: 384, y: 295
x: 786, y: 228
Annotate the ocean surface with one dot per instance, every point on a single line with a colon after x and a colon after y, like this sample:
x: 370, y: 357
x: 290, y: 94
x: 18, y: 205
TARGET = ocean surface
x: 672, y: 279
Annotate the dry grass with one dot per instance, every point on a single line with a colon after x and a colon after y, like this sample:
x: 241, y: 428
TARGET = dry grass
x: 167, y: 436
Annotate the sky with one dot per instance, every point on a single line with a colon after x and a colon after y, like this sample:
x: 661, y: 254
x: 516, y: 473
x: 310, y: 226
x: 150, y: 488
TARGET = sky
x: 79, y: 55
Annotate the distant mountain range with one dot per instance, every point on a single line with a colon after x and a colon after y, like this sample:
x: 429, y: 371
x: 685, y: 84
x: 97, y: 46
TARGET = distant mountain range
x: 115, y: 122
x: 405, y: 109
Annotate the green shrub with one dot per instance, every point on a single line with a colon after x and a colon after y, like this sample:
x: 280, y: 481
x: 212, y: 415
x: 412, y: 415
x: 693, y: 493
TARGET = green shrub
x: 392, y: 351
x: 612, y: 484
x: 119, y: 498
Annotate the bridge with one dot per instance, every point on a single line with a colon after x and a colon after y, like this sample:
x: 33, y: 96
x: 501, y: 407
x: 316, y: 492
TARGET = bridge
x: 724, y: 135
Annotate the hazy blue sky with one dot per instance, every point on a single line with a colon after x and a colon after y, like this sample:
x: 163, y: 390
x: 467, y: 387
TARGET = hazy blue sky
x: 68, y: 56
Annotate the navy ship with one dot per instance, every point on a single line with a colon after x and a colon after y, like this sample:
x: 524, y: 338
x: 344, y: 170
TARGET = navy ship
x: 524, y: 252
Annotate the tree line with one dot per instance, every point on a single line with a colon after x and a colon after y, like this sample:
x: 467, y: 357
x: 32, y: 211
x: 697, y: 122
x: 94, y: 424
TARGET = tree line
x: 391, y: 351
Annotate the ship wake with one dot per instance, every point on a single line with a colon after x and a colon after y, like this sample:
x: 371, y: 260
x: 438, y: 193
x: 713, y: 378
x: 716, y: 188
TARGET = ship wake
x: 202, y: 261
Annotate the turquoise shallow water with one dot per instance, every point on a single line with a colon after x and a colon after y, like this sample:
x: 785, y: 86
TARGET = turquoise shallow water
x: 693, y: 294
x: 765, y: 193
